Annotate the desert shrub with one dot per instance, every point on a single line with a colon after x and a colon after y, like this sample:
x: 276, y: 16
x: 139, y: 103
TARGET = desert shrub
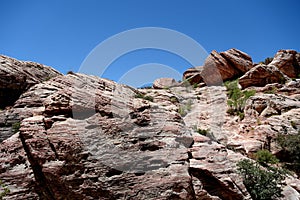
x: 173, y: 99
x: 185, y: 108
x: 148, y: 98
x: 293, y: 124
x: 273, y: 90
x: 70, y: 72
x: 3, y: 190
x: 262, y: 183
x: 265, y: 157
x: 268, y: 60
x: 203, y: 131
x: 237, y: 98
x: 16, y: 127
x: 291, y: 148
x: 142, y: 96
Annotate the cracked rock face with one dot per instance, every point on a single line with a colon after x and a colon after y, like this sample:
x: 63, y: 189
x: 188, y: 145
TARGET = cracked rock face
x: 16, y: 77
x: 83, y: 137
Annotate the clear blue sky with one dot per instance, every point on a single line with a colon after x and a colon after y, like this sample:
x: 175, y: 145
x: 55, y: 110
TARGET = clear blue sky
x: 62, y: 33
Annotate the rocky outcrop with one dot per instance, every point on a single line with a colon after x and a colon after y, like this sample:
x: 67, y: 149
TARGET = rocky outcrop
x: 216, y: 69
x: 261, y: 75
x: 238, y: 59
x: 107, y: 145
x: 219, y: 67
x: 163, y: 83
x: 288, y: 62
x: 193, y: 75
x: 84, y: 137
x: 17, y: 76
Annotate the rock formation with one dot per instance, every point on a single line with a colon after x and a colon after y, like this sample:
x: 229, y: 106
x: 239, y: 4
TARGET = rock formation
x: 163, y: 83
x: 220, y: 67
x: 287, y: 61
x: 262, y: 75
x: 84, y: 137
x: 17, y: 76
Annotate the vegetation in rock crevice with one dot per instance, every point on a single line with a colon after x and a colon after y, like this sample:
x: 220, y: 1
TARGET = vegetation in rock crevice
x: 3, y: 190
x: 16, y: 127
x: 142, y: 96
x: 265, y: 157
x: 263, y: 183
x: 185, y: 108
x: 290, y: 145
x: 237, y: 98
x: 267, y: 61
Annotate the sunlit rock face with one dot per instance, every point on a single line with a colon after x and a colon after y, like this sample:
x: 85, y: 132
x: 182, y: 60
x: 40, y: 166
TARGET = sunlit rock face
x: 83, y: 137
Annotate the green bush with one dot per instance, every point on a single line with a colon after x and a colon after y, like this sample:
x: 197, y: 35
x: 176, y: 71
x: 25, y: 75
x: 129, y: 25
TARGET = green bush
x: 237, y: 98
x: 204, y: 132
x: 185, y: 108
x: 3, y: 190
x: 16, y: 127
x: 267, y: 61
x: 265, y: 157
x: 273, y: 90
x: 173, y: 99
x: 148, y: 98
x: 261, y: 183
x: 142, y: 96
x: 291, y: 148
x: 293, y: 124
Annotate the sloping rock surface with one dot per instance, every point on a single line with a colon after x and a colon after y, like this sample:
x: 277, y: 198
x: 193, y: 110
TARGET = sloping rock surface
x: 261, y: 75
x: 219, y: 67
x: 287, y: 61
x: 83, y: 137
x: 17, y: 76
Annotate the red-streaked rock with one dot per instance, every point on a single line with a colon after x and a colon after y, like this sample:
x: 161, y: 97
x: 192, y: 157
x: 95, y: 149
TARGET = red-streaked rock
x: 262, y: 75
x: 239, y: 60
x: 288, y: 62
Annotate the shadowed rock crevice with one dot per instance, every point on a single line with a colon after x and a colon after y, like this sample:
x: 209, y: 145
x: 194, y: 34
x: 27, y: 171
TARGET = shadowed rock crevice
x: 42, y: 186
x: 213, y: 186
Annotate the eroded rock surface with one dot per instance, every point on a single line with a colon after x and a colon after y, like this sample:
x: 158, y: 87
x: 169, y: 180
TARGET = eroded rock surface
x: 17, y: 76
x: 287, y: 61
x: 219, y: 67
x: 261, y: 75
x: 83, y: 137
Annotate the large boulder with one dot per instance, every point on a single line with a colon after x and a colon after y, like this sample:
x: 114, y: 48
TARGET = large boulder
x: 240, y: 60
x: 287, y: 61
x: 219, y: 67
x: 163, y: 83
x: 261, y: 75
x: 193, y: 75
